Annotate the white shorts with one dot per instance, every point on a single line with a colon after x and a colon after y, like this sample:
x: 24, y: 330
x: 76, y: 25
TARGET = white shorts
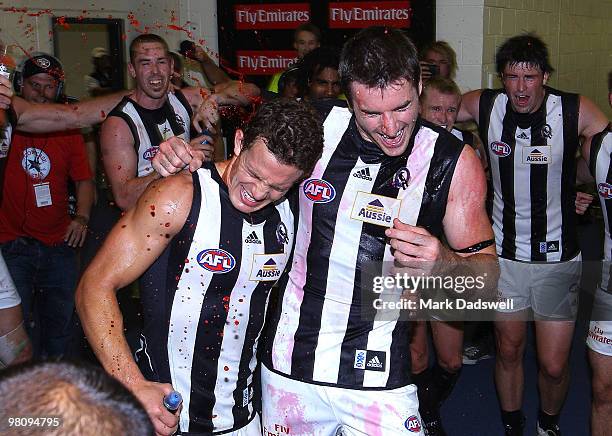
x: 253, y: 428
x: 8, y: 292
x: 291, y: 407
x: 599, y: 338
x: 549, y: 289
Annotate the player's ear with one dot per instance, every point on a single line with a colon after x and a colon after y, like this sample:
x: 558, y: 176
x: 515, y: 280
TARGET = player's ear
x: 238, y: 138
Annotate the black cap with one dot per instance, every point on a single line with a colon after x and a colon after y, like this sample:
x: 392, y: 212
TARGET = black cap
x: 43, y: 64
x: 187, y: 48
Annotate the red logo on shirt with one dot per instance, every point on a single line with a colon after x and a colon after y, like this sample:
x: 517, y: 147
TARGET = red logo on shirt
x: 500, y: 149
x: 319, y: 191
x: 216, y: 260
x: 413, y: 424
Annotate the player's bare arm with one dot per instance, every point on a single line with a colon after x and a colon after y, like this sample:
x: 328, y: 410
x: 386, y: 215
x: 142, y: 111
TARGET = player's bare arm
x: 135, y: 242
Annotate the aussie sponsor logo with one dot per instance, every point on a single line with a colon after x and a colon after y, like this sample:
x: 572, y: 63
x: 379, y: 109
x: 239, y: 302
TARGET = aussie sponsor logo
x: 271, y: 16
x: 364, y: 14
x: 267, y: 267
x: 549, y: 247
x: 319, y: 191
x: 216, y: 260
x: 264, y: 61
x: 537, y: 155
x: 370, y: 360
x: 413, y: 424
x: 500, y: 149
x: 150, y: 153
x: 375, y: 209
x: 604, y: 190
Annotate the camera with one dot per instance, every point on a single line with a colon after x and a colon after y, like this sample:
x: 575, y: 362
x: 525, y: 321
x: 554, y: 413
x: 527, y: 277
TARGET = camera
x: 433, y: 69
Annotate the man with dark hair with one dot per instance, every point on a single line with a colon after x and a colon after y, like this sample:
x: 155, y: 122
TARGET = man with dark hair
x: 319, y: 71
x: 531, y: 134
x: 220, y: 239
x: 597, y: 152
x: 306, y: 38
x: 386, y: 189
x: 130, y: 137
x: 68, y: 399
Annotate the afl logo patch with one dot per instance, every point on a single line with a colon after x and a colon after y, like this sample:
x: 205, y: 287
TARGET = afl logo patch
x: 500, y: 149
x: 413, y: 424
x: 605, y: 190
x: 319, y: 191
x: 150, y: 153
x: 216, y: 260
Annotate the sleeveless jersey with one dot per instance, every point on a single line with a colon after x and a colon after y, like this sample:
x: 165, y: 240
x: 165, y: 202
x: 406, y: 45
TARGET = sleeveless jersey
x: 319, y: 332
x: 204, y: 309
x: 533, y: 171
x: 150, y: 127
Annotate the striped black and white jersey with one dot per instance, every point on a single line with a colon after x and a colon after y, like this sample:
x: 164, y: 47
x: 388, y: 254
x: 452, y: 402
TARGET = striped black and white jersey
x: 205, y: 306
x: 533, y: 171
x: 464, y: 136
x: 600, y: 163
x: 150, y: 127
x: 319, y: 333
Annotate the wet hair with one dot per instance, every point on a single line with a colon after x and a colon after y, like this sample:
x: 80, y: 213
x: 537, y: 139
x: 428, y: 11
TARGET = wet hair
x: 523, y: 49
x: 316, y: 61
x: 441, y: 84
x: 377, y: 57
x: 292, y: 130
x: 85, y: 398
x: 144, y: 38
x: 307, y: 27
x: 443, y: 48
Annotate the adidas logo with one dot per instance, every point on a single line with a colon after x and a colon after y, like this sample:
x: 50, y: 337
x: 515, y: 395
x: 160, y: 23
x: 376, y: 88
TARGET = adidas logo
x: 252, y: 239
x: 374, y: 362
x: 363, y: 174
x: 523, y: 135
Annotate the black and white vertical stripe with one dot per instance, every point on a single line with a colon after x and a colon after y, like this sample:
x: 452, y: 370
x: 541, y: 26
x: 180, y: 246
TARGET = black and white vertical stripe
x: 600, y: 164
x: 533, y: 203
x: 214, y: 320
x: 147, y: 126
x: 320, y: 325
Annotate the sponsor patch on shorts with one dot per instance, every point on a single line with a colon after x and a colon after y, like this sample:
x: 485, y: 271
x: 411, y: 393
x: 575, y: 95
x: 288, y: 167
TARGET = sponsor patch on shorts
x: 413, y: 424
x: 370, y: 360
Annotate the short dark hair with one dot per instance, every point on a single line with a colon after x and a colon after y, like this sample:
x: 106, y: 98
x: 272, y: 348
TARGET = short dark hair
x: 441, y: 84
x: 377, y: 57
x: 307, y: 27
x: 178, y: 62
x: 85, y: 398
x: 443, y: 48
x: 317, y: 60
x: 143, y: 38
x: 523, y: 49
x: 292, y: 131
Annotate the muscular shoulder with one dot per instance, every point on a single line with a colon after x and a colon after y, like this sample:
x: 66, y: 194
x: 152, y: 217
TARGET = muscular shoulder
x: 170, y: 197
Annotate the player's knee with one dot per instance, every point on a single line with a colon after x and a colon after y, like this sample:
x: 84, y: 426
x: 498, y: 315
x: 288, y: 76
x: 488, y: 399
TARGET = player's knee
x: 554, y: 370
x: 451, y: 363
x: 602, y: 391
x: 510, y: 353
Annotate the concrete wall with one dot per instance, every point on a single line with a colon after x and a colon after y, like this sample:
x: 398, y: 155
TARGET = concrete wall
x: 578, y: 34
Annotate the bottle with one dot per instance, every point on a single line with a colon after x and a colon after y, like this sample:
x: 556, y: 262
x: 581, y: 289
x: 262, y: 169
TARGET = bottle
x: 7, y: 64
x: 173, y: 401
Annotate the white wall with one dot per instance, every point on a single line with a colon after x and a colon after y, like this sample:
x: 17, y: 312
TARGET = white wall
x: 35, y: 33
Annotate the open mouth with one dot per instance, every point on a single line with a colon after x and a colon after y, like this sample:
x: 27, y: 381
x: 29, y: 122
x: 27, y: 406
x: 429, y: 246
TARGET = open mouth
x: 247, y: 198
x: 394, y: 140
x: 522, y: 100
x: 156, y: 83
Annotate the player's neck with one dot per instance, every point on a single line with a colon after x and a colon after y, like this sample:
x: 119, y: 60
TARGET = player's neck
x: 147, y: 102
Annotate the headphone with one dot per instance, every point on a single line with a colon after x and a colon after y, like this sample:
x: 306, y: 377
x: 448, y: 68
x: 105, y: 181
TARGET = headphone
x: 34, y: 57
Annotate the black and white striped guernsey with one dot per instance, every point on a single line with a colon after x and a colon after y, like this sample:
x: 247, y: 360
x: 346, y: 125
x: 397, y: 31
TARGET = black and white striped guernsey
x: 150, y: 127
x: 205, y: 306
x: 533, y: 171
x: 600, y: 163
x: 318, y: 333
